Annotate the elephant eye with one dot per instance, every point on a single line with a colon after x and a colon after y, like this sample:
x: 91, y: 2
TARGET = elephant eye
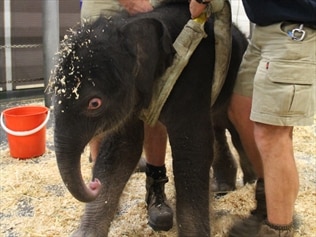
x: 95, y: 103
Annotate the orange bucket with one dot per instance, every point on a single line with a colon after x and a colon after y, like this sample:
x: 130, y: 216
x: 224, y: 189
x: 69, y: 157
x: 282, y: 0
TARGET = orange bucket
x: 26, y: 130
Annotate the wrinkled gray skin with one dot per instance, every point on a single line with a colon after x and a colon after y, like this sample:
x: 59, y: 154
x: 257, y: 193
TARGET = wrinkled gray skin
x: 104, y: 78
x: 224, y: 164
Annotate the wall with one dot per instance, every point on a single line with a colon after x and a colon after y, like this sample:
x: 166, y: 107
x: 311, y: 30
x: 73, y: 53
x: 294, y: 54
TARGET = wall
x: 239, y: 16
x: 21, y: 54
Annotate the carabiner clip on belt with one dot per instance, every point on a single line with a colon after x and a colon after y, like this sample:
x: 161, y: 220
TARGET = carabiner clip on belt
x: 297, y: 34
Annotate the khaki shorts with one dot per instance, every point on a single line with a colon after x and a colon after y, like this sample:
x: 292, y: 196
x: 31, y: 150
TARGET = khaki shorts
x: 92, y: 9
x: 279, y: 74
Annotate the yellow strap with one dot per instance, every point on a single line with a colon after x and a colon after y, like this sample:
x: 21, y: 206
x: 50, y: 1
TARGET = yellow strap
x: 201, y: 18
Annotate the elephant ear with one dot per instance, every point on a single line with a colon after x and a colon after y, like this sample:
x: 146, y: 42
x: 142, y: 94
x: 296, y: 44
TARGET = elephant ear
x: 149, y: 43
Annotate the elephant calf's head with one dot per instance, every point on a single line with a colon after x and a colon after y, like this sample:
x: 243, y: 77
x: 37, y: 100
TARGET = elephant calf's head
x: 100, y: 81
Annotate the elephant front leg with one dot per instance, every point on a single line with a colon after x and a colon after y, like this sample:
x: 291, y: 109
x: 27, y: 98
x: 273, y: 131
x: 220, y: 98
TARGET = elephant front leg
x: 99, y: 214
x: 192, y: 157
x: 116, y: 162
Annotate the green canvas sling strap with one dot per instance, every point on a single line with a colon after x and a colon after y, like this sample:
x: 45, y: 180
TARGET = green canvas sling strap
x: 185, y: 44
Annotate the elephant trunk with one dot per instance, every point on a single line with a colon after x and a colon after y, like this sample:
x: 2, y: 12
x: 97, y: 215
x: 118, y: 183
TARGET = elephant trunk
x: 70, y: 171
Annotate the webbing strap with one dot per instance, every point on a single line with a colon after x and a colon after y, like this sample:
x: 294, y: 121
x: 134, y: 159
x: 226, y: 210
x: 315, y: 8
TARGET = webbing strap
x: 185, y: 44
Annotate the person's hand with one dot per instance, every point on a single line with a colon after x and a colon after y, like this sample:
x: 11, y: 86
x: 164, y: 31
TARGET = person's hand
x: 136, y: 6
x: 196, y: 8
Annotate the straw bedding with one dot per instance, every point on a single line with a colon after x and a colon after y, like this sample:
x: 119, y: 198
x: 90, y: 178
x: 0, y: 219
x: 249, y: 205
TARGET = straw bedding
x: 34, y: 201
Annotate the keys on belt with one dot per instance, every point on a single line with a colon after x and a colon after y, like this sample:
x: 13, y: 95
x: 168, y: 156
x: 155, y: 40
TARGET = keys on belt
x: 297, y: 34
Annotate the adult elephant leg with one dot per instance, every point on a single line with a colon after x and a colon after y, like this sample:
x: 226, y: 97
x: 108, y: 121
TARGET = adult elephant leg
x: 224, y: 164
x: 117, y: 159
x: 191, y: 143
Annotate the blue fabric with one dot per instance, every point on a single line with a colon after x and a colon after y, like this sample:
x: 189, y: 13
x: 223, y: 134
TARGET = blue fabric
x: 266, y: 12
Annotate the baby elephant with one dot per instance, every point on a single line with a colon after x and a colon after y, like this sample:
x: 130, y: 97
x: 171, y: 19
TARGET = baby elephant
x: 104, y: 79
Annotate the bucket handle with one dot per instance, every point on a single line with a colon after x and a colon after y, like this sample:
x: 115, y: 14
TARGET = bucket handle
x: 23, y: 133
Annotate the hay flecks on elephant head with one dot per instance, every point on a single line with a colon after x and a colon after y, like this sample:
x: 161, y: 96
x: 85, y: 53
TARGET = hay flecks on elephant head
x: 80, y: 59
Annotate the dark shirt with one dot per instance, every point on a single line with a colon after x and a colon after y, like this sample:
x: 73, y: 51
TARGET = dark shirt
x: 266, y: 12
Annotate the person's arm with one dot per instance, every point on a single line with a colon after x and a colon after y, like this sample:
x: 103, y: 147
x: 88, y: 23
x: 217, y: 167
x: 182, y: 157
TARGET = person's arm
x: 136, y: 6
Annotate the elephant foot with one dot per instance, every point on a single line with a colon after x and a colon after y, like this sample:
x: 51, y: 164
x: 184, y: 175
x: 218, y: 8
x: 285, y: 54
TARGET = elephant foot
x: 221, y: 188
x: 249, y: 179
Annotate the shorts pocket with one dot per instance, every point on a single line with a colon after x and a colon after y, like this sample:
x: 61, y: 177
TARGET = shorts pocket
x: 291, y: 73
x: 293, y: 83
x: 284, y: 91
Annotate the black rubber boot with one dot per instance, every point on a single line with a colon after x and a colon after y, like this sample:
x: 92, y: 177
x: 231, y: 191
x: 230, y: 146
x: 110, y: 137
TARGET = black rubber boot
x: 160, y: 214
